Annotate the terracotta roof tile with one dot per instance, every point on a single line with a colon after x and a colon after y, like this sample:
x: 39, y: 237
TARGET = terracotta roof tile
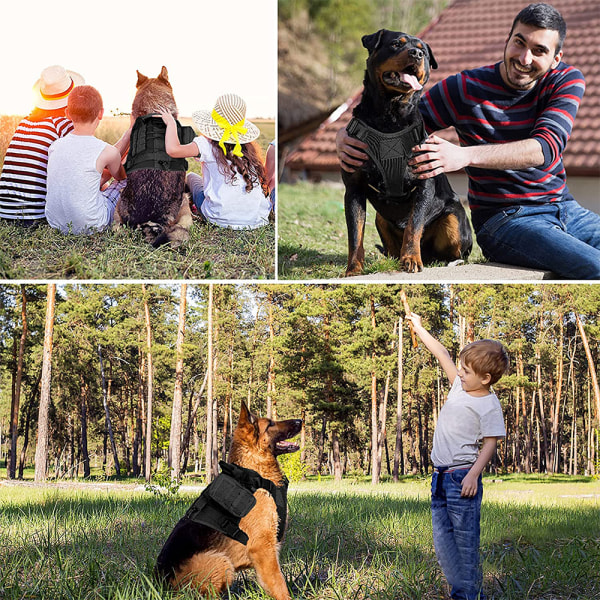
x: 472, y: 33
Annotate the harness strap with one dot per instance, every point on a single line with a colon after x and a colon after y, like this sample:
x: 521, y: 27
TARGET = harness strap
x: 147, y: 145
x: 230, y: 497
x: 389, y: 151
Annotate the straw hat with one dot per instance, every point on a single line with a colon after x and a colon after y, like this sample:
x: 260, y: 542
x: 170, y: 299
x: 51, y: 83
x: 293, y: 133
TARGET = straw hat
x: 227, y: 123
x: 54, y: 86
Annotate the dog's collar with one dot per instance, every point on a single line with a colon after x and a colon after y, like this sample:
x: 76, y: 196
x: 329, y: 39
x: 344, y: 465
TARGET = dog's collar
x: 389, y: 152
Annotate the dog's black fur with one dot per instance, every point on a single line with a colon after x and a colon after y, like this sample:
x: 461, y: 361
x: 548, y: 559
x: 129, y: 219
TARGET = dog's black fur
x: 429, y: 221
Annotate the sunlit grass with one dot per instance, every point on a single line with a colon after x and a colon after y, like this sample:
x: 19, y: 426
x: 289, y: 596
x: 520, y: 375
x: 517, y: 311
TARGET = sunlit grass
x: 350, y: 540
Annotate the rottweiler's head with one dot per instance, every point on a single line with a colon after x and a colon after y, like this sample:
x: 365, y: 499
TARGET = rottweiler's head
x: 398, y: 63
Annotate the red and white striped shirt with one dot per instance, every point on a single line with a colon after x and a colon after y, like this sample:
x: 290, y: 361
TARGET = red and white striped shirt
x: 23, y: 179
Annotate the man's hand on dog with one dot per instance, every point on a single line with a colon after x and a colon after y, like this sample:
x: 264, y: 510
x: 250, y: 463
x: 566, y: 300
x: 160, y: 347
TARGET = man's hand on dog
x: 436, y: 156
x: 350, y: 151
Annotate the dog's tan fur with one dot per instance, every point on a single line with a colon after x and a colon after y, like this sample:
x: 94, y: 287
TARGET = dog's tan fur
x: 254, y: 446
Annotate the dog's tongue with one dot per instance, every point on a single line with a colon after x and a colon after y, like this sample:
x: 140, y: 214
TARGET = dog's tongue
x: 411, y: 80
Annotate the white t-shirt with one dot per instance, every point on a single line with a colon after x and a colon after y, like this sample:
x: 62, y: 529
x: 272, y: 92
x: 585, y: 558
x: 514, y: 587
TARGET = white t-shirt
x: 228, y: 204
x: 74, y: 202
x: 463, y: 421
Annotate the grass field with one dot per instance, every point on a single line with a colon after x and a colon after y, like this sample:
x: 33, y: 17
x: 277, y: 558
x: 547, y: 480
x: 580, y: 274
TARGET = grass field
x: 212, y: 252
x: 313, y: 242
x: 540, y: 540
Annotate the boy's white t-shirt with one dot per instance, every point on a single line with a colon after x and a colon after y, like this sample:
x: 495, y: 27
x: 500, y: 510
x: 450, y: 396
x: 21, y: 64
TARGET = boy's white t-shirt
x: 74, y: 202
x: 228, y: 204
x: 462, y: 423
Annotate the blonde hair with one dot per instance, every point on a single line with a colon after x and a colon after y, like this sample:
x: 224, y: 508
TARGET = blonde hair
x: 486, y: 356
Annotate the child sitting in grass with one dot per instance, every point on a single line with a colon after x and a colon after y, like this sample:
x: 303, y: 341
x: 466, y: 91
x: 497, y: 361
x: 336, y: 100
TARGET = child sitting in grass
x: 471, y: 414
x: 76, y: 169
x: 234, y: 188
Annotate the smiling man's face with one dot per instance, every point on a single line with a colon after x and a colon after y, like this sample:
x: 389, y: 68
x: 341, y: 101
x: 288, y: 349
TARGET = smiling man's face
x: 530, y: 52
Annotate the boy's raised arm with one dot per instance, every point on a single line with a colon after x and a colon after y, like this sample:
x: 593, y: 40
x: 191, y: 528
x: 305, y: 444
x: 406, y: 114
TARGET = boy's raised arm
x: 435, y: 347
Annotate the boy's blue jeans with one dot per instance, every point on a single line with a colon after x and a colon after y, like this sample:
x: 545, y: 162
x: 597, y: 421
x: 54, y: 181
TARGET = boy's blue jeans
x: 456, y: 533
x: 562, y: 237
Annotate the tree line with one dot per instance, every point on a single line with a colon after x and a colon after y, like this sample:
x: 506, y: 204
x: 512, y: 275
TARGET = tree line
x: 132, y: 379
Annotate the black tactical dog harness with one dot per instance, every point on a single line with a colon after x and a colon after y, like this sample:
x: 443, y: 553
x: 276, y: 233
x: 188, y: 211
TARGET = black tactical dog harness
x: 231, y: 496
x: 147, y: 145
x: 389, y: 152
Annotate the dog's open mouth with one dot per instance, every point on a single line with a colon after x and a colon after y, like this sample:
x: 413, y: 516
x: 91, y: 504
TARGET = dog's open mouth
x: 405, y: 80
x: 284, y: 447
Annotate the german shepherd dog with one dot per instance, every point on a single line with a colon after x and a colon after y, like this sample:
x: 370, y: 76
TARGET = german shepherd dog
x: 417, y: 219
x: 199, y: 555
x: 154, y: 199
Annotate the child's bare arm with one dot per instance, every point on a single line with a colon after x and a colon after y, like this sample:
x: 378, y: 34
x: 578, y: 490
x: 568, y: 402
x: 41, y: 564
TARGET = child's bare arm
x: 435, y: 347
x: 469, y: 483
x: 110, y: 160
x: 122, y: 144
x: 172, y: 145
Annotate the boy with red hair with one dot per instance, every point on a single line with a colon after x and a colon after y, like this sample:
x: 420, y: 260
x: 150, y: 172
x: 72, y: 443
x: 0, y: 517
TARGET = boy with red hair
x: 76, y: 163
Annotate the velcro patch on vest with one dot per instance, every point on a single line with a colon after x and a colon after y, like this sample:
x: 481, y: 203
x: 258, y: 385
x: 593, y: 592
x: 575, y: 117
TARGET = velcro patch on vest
x: 231, y: 495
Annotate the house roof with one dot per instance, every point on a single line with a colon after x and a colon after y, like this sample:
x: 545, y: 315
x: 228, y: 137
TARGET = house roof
x: 472, y: 33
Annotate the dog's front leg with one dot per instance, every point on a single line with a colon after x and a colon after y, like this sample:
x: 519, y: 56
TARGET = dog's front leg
x: 268, y: 571
x: 410, y: 255
x: 355, y: 208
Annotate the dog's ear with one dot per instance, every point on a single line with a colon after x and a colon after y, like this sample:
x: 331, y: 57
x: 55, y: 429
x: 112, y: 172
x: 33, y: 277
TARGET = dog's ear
x: 371, y: 41
x: 164, y: 74
x: 246, y: 417
x: 432, y: 61
x: 141, y: 79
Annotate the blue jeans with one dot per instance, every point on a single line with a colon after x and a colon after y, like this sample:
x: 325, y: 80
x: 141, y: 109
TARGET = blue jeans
x: 456, y: 533
x: 196, y: 185
x: 562, y: 237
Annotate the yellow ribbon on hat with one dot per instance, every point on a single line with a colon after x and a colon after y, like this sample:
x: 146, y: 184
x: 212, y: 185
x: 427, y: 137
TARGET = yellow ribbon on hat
x: 230, y: 130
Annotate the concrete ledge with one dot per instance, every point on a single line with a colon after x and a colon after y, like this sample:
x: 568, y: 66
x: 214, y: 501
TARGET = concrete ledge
x: 484, y: 272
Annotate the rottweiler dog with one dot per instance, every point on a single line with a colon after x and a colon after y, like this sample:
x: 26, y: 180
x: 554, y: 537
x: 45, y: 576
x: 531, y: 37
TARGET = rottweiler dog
x: 417, y: 219
x: 238, y: 522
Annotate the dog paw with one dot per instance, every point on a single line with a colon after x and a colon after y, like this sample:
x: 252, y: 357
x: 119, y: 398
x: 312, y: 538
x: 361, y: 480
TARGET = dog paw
x: 412, y: 264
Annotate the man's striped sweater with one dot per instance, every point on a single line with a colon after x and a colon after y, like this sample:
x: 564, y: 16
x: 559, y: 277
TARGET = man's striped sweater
x: 484, y: 110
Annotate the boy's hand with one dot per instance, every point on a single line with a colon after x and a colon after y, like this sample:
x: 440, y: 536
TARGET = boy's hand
x: 469, y: 485
x: 415, y: 319
x: 167, y: 117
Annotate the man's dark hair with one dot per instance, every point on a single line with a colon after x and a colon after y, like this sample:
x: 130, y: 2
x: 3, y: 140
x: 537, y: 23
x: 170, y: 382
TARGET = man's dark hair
x: 543, y: 16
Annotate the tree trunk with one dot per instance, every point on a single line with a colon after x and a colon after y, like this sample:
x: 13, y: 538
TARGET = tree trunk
x: 14, y: 408
x: 192, y: 417
x: 30, y: 403
x: 149, y: 392
x: 271, y: 408
x: 591, y: 367
x: 176, y: 419
x: 375, y: 468
x: 84, y: 437
x: 109, y: 429
x: 398, y: 450
x: 555, y: 441
x: 210, y: 467
x: 41, y: 450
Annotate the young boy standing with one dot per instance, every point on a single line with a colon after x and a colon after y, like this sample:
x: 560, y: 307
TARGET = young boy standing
x: 471, y: 414
x: 76, y: 163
